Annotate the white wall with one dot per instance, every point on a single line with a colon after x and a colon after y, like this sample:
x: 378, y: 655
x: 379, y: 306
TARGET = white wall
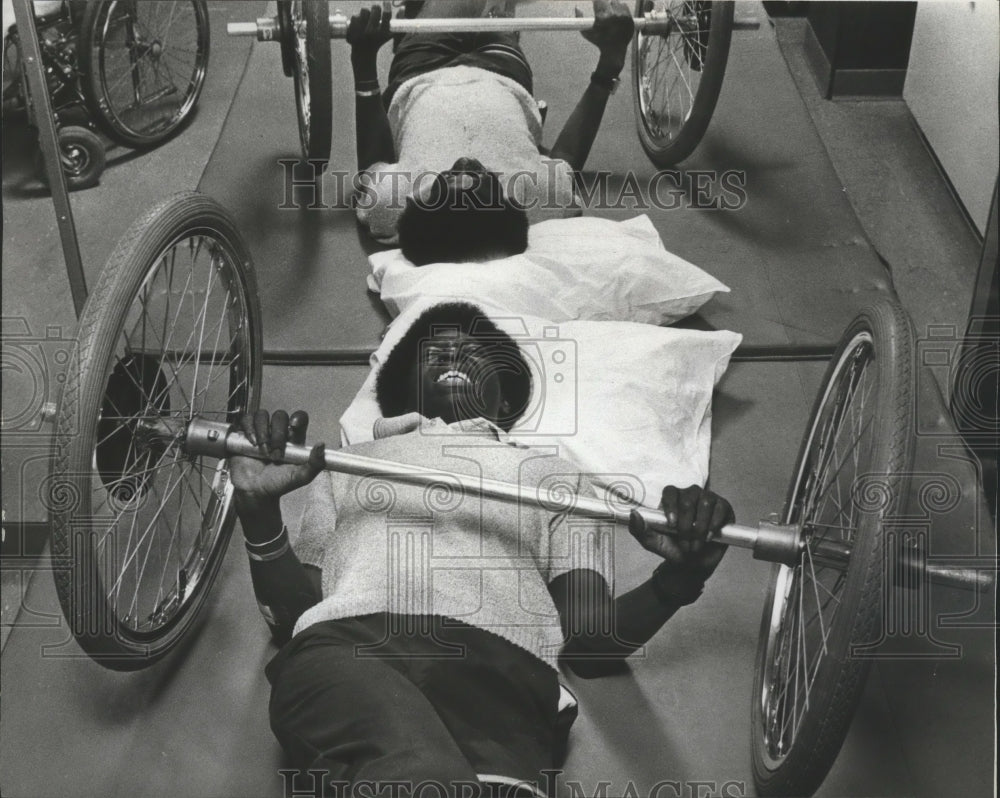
x: 951, y: 89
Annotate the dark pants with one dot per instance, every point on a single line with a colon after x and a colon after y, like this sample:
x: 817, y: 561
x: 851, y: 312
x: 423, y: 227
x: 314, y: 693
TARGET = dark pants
x: 419, y: 53
x: 369, y: 700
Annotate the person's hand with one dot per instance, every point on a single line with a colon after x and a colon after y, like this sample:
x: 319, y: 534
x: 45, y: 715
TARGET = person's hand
x: 694, y: 515
x: 368, y: 30
x: 261, y: 481
x: 612, y: 32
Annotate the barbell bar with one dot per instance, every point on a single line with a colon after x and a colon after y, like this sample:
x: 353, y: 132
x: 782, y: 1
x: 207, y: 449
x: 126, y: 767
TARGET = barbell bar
x: 267, y: 29
x: 770, y: 542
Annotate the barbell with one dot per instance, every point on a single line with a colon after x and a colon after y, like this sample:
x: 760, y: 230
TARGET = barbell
x: 769, y: 541
x: 679, y: 57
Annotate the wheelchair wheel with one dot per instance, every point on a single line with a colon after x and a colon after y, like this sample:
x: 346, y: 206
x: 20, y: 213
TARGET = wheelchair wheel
x: 312, y: 75
x: 139, y: 528
x: 143, y: 66
x: 12, y: 69
x: 287, y: 38
x: 81, y: 153
x: 822, y: 612
x: 677, y: 75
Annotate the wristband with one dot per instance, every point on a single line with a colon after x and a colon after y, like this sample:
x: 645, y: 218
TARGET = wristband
x: 369, y: 93
x: 676, y: 585
x: 271, y: 549
x: 605, y: 81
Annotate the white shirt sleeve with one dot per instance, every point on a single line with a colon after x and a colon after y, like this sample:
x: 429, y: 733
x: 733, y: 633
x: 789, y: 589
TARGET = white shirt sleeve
x: 381, y: 195
x: 548, y: 193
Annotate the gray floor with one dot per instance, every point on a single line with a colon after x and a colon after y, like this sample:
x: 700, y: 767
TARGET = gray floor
x: 909, y: 745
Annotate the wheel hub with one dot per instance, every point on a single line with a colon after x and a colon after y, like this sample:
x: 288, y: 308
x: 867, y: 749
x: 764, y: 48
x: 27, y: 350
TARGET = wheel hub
x: 75, y: 158
x: 135, y: 392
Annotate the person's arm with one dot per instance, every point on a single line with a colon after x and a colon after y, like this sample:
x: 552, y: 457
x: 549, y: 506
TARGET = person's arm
x: 601, y: 631
x: 611, y: 33
x: 284, y: 588
x: 367, y: 31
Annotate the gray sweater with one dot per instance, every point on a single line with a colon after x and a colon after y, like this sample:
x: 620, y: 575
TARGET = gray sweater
x: 409, y: 550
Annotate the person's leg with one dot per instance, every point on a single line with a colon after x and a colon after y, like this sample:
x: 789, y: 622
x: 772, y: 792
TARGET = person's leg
x: 359, y: 719
x: 499, y: 702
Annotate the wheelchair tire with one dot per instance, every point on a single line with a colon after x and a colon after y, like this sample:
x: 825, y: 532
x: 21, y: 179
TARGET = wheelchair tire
x: 677, y: 76
x: 139, y: 528
x: 82, y: 155
x: 313, y: 78
x: 142, y: 66
x: 820, y: 616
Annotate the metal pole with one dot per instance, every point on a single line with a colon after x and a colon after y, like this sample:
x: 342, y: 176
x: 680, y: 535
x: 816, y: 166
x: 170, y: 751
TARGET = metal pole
x: 265, y: 28
x: 214, y: 439
x: 48, y: 140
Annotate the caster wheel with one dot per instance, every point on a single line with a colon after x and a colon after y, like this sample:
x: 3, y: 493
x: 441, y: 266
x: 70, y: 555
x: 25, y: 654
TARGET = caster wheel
x: 81, y: 152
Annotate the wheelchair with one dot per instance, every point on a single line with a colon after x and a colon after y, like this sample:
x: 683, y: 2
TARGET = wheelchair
x: 131, y: 70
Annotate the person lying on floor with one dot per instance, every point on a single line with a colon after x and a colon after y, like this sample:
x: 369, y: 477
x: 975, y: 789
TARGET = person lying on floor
x: 426, y: 629
x: 448, y: 157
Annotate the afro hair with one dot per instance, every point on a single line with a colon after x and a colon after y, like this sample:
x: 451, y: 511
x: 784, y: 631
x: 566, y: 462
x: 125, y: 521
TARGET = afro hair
x: 462, y: 229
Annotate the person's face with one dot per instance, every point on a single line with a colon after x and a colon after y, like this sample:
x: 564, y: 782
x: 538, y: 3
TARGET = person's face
x: 456, y: 379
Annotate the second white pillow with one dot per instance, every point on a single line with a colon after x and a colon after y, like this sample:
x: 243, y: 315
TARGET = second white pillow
x: 580, y: 268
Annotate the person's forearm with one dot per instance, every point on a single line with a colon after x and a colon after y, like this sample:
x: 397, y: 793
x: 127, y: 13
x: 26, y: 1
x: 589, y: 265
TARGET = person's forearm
x: 578, y: 134
x: 280, y: 582
x: 374, y: 136
x: 635, y: 617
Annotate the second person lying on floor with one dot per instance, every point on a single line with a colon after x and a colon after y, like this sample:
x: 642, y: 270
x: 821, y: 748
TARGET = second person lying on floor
x: 448, y: 155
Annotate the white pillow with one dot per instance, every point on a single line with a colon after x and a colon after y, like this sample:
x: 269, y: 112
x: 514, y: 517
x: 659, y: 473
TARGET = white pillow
x: 629, y: 403
x: 579, y: 268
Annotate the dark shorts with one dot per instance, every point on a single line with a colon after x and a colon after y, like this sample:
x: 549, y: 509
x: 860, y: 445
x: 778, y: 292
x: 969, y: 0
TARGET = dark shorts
x: 419, y: 53
x: 388, y: 698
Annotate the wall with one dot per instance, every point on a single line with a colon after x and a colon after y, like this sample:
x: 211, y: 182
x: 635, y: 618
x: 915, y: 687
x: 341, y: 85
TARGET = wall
x: 951, y: 89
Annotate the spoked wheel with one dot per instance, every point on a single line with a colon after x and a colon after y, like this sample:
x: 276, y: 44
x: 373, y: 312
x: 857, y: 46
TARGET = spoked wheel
x: 139, y: 528
x: 851, y: 473
x: 677, y: 75
x: 309, y: 23
x: 143, y: 66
